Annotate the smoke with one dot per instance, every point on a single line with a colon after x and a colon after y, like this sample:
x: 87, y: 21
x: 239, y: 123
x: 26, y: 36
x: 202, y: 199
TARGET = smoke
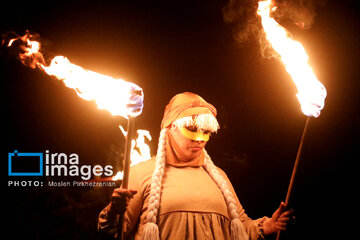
x: 300, y: 12
x: 242, y: 14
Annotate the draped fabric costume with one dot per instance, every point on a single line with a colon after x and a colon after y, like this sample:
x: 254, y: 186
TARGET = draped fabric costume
x: 193, y: 199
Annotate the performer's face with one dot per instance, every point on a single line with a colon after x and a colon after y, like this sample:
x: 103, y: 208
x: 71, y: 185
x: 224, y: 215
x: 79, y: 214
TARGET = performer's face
x: 190, y: 148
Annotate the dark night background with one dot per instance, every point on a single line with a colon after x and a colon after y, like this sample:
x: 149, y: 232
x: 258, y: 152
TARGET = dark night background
x: 168, y: 47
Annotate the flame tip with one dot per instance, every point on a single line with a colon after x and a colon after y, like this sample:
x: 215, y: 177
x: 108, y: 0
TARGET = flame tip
x: 311, y: 92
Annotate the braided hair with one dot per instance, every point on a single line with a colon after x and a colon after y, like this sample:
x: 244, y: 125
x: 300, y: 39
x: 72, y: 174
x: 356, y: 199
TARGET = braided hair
x: 151, y: 230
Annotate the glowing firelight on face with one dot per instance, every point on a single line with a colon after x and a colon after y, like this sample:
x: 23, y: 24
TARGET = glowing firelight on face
x: 140, y: 151
x: 311, y: 93
x: 109, y: 93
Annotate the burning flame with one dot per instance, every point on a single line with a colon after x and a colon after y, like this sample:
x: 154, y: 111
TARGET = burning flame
x: 311, y: 93
x: 140, y: 151
x: 119, y: 176
x: 109, y: 93
x: 113, y: 95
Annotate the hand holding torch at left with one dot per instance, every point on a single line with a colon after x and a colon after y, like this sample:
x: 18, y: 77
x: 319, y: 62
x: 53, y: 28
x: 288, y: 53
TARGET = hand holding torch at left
x: 119, y: 201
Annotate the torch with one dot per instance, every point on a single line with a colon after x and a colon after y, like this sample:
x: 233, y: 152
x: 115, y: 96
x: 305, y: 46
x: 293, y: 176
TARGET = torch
x: 119, y: 97
x: 136, y: 105
x: 127, y: 154
x: 128, y: 150
x: 311, y: 93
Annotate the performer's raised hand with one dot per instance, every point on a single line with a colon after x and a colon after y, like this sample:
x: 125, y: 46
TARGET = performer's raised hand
x: 278, y: 220
x: 119, y: 200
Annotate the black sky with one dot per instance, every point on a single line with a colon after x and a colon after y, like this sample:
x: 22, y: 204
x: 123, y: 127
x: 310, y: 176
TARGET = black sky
x: 168, y: 47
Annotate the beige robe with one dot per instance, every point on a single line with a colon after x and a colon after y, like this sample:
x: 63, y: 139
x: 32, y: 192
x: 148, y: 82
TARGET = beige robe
x: 191, y: 206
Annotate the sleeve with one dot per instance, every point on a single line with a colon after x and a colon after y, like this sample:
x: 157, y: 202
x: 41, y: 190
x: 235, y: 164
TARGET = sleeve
x: 105, y: 224
x: 254, y: 228
x: 135, y: 206
x: 109, y: 226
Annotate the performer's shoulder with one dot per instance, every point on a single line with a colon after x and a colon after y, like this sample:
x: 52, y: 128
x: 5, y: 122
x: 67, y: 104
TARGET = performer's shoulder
x: 145, y: 166
x: 140, y: 174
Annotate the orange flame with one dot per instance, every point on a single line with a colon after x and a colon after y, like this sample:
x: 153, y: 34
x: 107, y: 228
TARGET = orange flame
x: 109, y: 93
x: 311, y: 93
x: 140, y: 151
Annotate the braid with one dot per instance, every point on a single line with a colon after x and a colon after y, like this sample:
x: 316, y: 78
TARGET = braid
x: 238, y: 231
x: 151, y: 230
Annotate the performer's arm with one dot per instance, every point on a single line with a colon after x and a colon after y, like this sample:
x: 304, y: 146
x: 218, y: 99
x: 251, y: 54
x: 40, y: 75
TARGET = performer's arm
x: 129, y: 209
x: 264, y: 226
x: 112, y: 214
x: 254, y: 228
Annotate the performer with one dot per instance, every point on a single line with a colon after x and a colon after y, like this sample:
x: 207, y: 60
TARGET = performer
x: 180, y: 193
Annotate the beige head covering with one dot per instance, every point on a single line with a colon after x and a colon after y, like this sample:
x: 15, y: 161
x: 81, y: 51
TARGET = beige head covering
x: 184, y: 105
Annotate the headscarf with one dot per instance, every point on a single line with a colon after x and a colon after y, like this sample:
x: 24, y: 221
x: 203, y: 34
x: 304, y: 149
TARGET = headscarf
x: 184, y: 109
x: 184, y: 105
